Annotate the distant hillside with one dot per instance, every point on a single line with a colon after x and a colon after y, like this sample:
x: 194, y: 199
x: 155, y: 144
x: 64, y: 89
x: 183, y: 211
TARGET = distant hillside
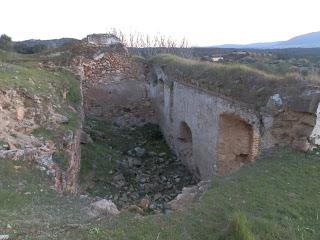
x: 309, y: 40
x: 52, y: 43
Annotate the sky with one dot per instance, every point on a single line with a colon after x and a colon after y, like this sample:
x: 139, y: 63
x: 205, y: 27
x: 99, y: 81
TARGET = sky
x: 202, y: 22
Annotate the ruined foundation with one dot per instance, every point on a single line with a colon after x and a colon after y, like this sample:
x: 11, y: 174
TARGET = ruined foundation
x: 212, y: 134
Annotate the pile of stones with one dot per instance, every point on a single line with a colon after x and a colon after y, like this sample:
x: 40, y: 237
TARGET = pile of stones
x: 149, y: 180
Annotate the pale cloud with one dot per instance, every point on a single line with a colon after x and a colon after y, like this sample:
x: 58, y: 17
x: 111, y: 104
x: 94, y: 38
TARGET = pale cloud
x: 202, y: 22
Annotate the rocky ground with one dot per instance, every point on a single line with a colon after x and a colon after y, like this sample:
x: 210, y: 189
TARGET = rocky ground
x: 133, y: 167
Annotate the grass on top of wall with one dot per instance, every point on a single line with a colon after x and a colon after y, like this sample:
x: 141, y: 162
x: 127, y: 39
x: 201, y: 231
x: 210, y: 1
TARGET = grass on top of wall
x: 240, y: 82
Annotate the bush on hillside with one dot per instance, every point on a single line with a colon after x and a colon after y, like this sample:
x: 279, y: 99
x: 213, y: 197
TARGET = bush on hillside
x: 238, y: 229
x: 26, y: 49
x: 5, y: 42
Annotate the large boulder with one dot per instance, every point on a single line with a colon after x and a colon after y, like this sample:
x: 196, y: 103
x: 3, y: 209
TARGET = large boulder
x: 103, y: 207
x: 188, y: 196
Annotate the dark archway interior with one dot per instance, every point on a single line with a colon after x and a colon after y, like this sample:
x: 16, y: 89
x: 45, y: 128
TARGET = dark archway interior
x: 185, y: 135
x: 185, y: 148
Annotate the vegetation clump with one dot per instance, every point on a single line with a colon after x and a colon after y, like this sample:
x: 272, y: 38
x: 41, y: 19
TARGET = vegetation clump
x: 238, y: 229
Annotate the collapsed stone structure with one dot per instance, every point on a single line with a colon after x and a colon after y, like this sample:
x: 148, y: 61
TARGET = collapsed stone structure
x: 103, y: 39
x: 211, y: 132
x: 20, y: 116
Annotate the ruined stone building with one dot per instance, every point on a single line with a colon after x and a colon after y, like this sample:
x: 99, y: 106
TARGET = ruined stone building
x: 215, y: 118
x: 212, y: 129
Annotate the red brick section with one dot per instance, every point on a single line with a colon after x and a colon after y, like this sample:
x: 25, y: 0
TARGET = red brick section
x: 255, y: 146
x: 238, y: 144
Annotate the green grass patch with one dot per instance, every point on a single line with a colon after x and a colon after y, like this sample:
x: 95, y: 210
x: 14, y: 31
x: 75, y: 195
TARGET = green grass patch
x: 43, y: 132
x: 57, y: 89
x: 277, y: 198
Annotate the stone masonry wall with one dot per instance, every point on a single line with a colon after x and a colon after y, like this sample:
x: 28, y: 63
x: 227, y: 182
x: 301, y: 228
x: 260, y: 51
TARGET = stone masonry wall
x: 125, y: 103
x: 200, y: 111
x: 315, y: 136
x: 114, y: 87
x: 222, y: 145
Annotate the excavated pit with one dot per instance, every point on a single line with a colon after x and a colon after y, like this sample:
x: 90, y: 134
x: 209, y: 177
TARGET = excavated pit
x: 131, y: 166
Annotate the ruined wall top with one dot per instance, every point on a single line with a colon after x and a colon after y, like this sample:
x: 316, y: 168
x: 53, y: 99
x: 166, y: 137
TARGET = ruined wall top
x: 103, y: 39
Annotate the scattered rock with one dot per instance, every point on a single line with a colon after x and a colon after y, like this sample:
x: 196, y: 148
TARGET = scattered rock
x: 4, y: 237
x: 103, y: 207
x: 132, y: 162
x: 118, y: 177
x: 59, y: 118
x: 119, y: 180
x: 162, y: 154
x: 274, y: 102
x: 152, y: 154
x: 301, y: 145
x: 136, y: 162
x: 188, y: 195
x: 135, y: 208
x: 20, y: 113
x: 11, y: 146
x: 144, y: 203
x: 67, y: 138
x: 83, y: 196
x: 85, y: 138
x: 139, y: 151
x: 158, y: 175
x: 157, y: 196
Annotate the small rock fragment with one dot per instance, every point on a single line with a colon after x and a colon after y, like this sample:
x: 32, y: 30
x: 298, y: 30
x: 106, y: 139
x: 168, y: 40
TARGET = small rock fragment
x: 85, y: 138
x: 139, y: 151
x: 20, y: 113
x: 59, y: 118
x: 144, y: 203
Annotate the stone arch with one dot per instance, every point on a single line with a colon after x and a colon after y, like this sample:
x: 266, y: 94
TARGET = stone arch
x: 160, y: 94
x: 237, y: 144
x: 185, y: 134
x: 185, y: 146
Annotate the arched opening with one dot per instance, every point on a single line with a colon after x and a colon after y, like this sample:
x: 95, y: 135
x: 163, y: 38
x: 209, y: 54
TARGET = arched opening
x: 160, y: 95
x: 185, y: 147
x: 235, y: 144
x: 185, y: 135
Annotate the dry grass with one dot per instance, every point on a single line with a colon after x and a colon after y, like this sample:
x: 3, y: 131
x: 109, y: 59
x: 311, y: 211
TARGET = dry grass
x: 240, y: 82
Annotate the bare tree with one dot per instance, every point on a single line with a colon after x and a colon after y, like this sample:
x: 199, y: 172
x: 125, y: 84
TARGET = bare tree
x: 146, y: 45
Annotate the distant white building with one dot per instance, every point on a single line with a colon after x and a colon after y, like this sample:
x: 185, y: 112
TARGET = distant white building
x: 217, y: 59
x: 103, y: 39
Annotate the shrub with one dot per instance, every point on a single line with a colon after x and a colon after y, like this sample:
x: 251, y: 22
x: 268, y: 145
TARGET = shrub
x: 26, y: 49
x: 5, y: 42
x: 238, y: 229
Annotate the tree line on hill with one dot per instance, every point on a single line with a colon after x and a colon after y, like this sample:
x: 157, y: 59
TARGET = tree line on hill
x: 7, y: 44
